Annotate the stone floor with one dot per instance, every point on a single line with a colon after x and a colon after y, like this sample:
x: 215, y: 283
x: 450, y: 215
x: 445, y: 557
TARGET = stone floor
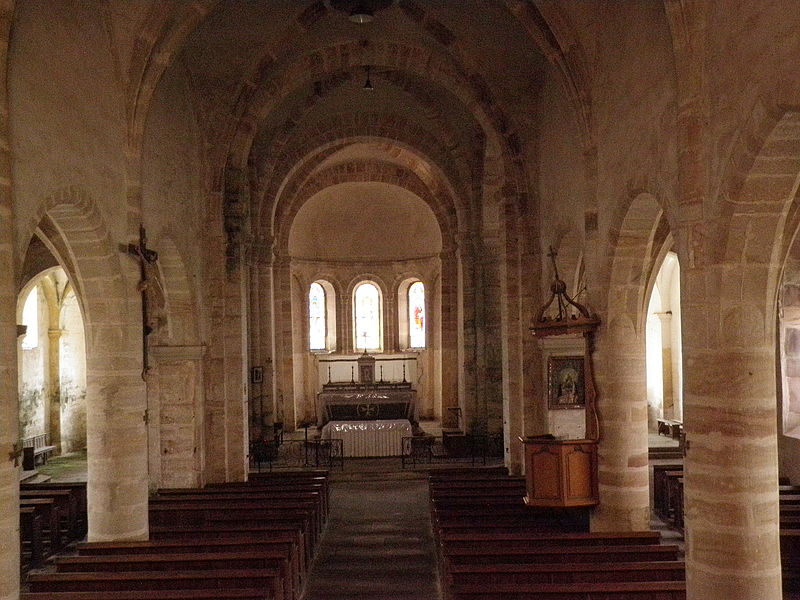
x: 378, y: 544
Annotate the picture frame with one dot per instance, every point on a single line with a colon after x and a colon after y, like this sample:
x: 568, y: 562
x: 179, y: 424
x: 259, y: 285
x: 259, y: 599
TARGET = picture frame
x: 566, y: 387
x: 256, y: 374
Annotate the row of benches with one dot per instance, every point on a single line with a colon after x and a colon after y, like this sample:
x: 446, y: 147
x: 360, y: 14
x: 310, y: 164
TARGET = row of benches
x: 251, y: 541
x: 668, y: 505
x: 493, y: 547
x: 51, y: 516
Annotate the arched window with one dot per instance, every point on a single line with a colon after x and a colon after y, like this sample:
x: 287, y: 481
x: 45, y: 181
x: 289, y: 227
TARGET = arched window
x: 30, y: 318
x: 416, y: 315
x: 317, y: 325
x: 367, y: 316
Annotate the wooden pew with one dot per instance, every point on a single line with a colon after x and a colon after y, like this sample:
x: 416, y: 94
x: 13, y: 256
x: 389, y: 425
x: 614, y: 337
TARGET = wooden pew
x: 263, y: 559
x: 211, y: 594
x: 266, y: 488
x: 51, y: 522
x: 31, y: 536
x: 525, y: 539
x: 65, y: 500
x: 566, y: 573
x: 267, y: 580
x: 201, y: 513
x: 220, y: 531
x: 78, y: 490
x: 560, y: 554
x: 286, y: 545
x: 627, y: 590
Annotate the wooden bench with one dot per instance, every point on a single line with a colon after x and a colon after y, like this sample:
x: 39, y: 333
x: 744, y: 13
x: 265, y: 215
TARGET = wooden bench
x: 525, y: 539
x: 67, y: 502
x: 624, y: 590
x: 560, y: 554
x: 42, y: 449
x: 212, y: 594
x: 78, y: 490
x: 265, y: 488
x: 31, y: 536
x: 206, y: 513
x: 567, y: 573
x: 51, y: 524
x: 262, y: 560
x: 267, y: 580
x: 670, y: 428
x: 286, y: 546
x: 220, y: 531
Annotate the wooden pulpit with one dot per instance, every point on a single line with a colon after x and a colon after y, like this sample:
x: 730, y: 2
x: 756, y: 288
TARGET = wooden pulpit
x: 560, y: 473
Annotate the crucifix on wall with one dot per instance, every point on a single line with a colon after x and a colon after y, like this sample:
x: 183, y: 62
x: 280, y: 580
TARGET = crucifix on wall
x: 153, y: 300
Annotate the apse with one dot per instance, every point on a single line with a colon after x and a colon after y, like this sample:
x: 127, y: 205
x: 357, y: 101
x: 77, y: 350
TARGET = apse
x: 364, y: 221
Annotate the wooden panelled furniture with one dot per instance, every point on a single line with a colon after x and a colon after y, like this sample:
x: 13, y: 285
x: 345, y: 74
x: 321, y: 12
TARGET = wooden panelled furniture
x: 251, y: 541
x: 491, y: 546
x: 52, y: 515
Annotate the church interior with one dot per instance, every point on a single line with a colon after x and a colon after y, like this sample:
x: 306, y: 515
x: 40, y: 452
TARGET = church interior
x: 550, y: 230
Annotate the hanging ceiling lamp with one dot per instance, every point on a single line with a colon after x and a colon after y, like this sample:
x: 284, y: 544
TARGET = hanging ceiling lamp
x: 368, y: 83
x: 360, y: 11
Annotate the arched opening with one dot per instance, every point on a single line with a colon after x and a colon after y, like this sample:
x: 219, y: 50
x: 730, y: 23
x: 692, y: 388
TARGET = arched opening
x: 412, y: 314
x: 52, y: 365
x: 356, y: 249
x: 367, y: 317
x: 321, y: 317
x: 663, y: 345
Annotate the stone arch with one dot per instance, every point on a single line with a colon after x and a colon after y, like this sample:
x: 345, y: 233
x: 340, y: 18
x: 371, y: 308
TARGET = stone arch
x: 364, y: 172
x: 622, y: 401
x: 260, y: 97
x: 115, y: 393
x: 427, y: 162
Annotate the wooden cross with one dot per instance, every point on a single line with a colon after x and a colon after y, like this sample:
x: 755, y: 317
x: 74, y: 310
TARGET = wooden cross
x: 552, y: 254
x: 15, y: 453
x: 146, y: 257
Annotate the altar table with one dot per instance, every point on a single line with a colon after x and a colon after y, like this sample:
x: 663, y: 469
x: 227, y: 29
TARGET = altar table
x: 382, y: 437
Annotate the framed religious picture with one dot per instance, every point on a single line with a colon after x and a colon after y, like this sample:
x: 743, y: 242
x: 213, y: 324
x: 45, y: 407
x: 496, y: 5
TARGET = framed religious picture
x: 565, y: 382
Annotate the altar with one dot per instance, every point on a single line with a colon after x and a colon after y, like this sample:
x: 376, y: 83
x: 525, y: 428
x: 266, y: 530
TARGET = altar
x: 382, y: 437
x: 367, y: 402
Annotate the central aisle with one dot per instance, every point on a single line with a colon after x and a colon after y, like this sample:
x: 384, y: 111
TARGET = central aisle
x: 378, y: 544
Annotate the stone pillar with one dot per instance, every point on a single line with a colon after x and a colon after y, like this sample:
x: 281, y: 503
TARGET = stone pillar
x: 282, y: 351
x: 622, y: 408
x: 116, y: 437
x: 730, y: 419
x: 512, y: 331
x: 54, y: 403
x: 9, y: 424
x: 449, y: 337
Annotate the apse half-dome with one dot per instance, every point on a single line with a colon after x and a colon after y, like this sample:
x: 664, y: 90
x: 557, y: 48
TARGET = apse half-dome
x: 363, y: 221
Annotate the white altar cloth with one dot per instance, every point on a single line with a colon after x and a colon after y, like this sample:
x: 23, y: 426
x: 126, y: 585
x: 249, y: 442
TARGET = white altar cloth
x: 369, y: 438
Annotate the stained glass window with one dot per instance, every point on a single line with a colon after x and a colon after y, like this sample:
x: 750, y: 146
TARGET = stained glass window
x: 416, y: 315
x: 316, y: 317
x: 367, y: 317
